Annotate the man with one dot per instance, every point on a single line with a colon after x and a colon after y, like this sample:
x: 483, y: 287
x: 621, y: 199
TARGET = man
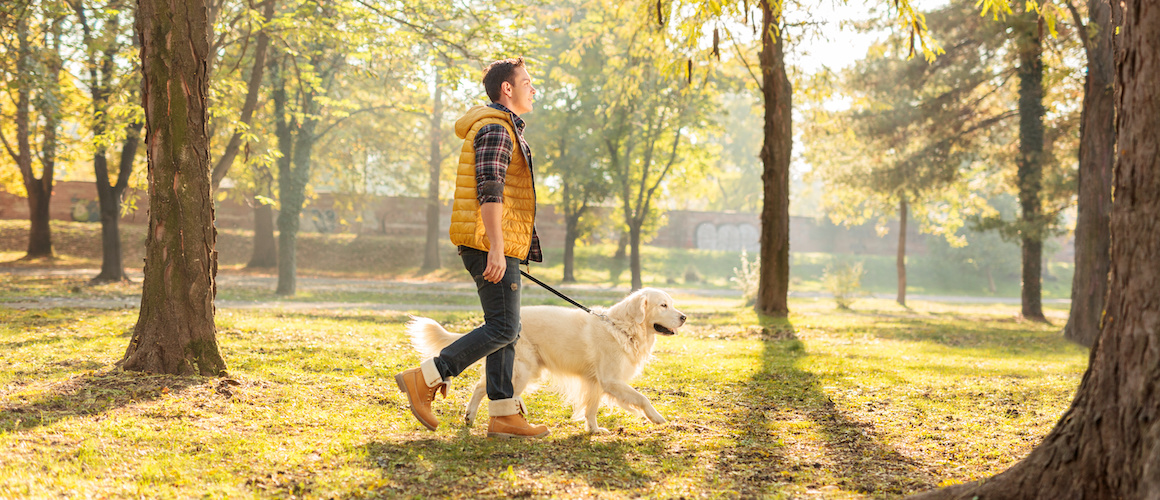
x: 492, y: 222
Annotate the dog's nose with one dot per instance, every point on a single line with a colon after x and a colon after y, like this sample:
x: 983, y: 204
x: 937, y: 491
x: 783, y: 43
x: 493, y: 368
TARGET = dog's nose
x: 682, y: 318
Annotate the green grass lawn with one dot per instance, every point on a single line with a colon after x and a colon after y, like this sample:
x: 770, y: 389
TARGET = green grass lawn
x: 875, y: 402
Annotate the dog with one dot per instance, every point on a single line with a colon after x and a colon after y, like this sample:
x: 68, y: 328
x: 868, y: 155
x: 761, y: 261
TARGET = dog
x: 589, y: 357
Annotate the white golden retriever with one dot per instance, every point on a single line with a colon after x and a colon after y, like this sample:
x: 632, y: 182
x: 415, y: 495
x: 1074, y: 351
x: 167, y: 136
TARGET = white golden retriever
x: 588, y: 356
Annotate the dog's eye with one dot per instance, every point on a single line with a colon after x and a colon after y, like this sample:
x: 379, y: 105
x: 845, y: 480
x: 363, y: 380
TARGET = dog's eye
x: 664, y: 305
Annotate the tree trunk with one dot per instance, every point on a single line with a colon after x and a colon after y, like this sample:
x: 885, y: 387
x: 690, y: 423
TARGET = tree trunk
x: 109, y: 197
x: 621, y: 246
x: 773, y: 281
x: 175, y: 331
x: 265, y: 252
x: 1097, y: 137
x: 431, y: 252
x: 1107, y: 445
x: 1030, y: 164
x: 570, y: 227
x: 252, y: 87
x: 901, y: 261
x: 634, y: 254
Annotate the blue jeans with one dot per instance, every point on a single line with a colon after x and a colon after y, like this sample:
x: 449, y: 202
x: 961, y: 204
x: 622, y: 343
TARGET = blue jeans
x: 496, y: 337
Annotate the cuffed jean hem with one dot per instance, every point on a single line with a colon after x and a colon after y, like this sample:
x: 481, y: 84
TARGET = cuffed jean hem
x: 505, y: 407
x: 430, y: 373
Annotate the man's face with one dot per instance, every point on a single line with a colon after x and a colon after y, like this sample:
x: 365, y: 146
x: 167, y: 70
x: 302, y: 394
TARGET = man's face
x: 522, y: 93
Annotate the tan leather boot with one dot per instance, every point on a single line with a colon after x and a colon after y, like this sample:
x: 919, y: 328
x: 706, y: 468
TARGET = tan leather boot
x: 414, y: 385
x: 514, y: 426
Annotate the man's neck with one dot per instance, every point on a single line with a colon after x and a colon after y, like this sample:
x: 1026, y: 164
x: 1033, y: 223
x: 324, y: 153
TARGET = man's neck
x: 506, y: 107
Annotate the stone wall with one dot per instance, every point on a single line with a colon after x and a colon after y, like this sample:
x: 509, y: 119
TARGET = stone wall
x: 406, y: 217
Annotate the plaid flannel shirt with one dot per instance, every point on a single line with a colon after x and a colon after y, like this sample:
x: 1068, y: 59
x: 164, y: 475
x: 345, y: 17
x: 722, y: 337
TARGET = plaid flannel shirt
x: 493, y: 154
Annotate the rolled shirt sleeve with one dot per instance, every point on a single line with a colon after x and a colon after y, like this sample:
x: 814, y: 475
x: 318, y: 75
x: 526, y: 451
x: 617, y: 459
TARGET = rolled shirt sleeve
x: 493, y: 154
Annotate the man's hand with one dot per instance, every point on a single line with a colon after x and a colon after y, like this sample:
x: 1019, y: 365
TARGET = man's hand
x: 496, y: 265
x: 491, y: 213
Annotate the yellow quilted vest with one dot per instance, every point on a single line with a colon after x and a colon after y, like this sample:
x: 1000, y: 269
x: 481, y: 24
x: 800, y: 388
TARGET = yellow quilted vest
x: 519, y: 194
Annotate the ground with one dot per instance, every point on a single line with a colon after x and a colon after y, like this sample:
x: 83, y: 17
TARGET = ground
x: 875, y: 402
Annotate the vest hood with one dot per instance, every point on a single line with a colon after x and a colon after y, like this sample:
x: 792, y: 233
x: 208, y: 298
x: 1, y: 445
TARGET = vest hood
x: 476, y: 113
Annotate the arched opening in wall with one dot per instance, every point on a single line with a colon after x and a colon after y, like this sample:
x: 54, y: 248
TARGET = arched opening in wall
x: 750, y: 238
x: 706, y: 235
x: 728, y: 238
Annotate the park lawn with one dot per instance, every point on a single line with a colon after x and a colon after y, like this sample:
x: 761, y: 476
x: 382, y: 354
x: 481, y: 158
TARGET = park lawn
x: 875, y: 402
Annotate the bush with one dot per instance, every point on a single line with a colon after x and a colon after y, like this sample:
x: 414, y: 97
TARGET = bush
x: 747, y: 277
x: 843, y: 279
x: 692, y: 275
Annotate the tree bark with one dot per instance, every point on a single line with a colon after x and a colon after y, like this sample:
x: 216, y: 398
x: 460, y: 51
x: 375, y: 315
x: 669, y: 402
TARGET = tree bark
x: 1097, y: 137
x: 175, y: 331
x: 1030, y: 164
x: 1107, y: 445
x: 431, y: 251
x: 901, y: 261
x: 773, y: 281
x: 253, y: 86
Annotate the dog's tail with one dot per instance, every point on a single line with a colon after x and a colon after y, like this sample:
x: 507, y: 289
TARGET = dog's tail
x: 428, y: 336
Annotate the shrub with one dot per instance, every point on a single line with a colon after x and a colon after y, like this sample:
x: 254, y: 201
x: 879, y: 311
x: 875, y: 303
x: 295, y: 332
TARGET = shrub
x: 843, y: 279
x: 747, y: 277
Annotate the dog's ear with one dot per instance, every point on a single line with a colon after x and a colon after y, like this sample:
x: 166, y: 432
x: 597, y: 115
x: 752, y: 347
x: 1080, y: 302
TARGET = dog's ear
x: 637, y: 308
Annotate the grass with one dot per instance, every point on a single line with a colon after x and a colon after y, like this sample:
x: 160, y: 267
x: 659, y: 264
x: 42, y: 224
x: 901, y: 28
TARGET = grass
x: 875, y: 402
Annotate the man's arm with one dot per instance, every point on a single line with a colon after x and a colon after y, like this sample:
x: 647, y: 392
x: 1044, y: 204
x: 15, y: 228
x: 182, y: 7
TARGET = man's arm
x: 493, y: 152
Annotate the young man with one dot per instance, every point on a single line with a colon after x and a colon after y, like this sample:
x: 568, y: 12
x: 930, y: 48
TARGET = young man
x: 492, y: 222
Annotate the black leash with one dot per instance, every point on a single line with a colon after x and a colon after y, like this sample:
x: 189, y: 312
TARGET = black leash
x: 553, y: 290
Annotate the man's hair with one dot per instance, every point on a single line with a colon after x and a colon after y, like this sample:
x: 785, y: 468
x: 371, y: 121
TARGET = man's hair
x: 498, y: 72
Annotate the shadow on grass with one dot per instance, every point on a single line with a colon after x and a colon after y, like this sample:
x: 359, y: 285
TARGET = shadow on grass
x: 852, y: 455
x: 975, y: 333
x: 87, y: 395
x: 473, y: 466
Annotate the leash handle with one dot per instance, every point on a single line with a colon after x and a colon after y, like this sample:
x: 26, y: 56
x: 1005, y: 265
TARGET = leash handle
x: 553, y: 290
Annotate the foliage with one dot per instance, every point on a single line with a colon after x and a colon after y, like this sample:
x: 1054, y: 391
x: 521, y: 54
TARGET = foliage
x: 914, y: 131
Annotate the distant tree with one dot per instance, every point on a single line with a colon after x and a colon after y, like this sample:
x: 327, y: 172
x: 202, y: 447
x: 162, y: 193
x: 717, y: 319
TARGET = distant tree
x: 1105, y: 445
x: 175, y: 331
x: 567, y: 127
x: 913, y: 130
x: 33, y: 84
x: 115, y: 115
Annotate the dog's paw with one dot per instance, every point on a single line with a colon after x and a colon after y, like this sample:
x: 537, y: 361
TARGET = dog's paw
x: 468, y: 420
x: 659, y: 420
x: 599, y: 430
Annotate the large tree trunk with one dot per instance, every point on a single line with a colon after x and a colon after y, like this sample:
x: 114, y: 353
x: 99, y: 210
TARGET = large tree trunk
x: 431, y: 251
x: 1107, y: 445
x: 175, y: 332
x: 252, y: 87
x: 900, y: 263
x: 1097, y: 137
x: 1030, y: 163
x: 773, y: 281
